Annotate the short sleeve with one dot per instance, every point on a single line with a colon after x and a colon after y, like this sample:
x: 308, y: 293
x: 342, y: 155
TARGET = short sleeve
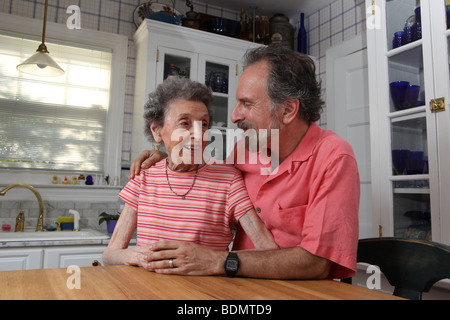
x: 130, y: 194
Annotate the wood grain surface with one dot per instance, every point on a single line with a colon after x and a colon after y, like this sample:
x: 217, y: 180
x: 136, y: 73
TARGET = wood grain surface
x: 133, y: 283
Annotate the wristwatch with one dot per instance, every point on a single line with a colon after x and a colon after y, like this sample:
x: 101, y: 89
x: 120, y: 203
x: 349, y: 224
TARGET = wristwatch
x: 232, y: 264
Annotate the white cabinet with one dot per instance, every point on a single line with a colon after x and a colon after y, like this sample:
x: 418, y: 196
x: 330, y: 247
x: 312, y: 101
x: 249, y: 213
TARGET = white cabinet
x: 87, y: 256
x: 164, y: 50
x: 50, y: 257
x: 20, y: 259
x: 410, y: 141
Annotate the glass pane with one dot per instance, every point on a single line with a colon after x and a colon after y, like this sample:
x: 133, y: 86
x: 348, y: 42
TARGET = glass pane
x: 220, y: 115
x: 403, y: 22
x: 448, y: 12
x: 176, y: 66
x: 412, y: 218
x: 217, y: 77
x: 406, y: 80
x: 409, y: 145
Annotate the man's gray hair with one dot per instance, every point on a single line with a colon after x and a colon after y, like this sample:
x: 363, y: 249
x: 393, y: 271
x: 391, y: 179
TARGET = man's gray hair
x: 292, y: 76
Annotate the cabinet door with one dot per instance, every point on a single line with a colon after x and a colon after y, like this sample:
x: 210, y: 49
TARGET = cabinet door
x: 221, y: 76
x: 440, y: 22
x: 79, y: 256
x: 20, y: 259
x: 405, y: 149
x: 174, y: 62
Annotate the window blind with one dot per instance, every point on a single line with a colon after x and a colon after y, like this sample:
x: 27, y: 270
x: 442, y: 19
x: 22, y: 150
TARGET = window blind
x: 54, y: 123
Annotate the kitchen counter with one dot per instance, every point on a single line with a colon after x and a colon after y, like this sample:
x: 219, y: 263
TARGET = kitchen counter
x: 52, y: 238
x: 133, y: 283
x: 55, y: 238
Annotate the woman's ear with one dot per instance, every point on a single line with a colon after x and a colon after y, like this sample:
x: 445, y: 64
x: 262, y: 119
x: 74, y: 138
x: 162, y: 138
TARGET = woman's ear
x: 291, y: 109
x: 155, y: 128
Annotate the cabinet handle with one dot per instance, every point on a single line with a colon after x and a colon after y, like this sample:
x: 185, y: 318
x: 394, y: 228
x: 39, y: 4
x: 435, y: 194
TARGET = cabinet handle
x: 437, y: 105
x: 95, y: 263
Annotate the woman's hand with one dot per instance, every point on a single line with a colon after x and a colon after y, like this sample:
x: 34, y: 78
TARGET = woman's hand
x: 138, y: 256
x: 187, y: 259
x: 145, y: 160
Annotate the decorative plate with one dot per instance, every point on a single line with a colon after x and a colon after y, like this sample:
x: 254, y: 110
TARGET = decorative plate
x: 156, y: 11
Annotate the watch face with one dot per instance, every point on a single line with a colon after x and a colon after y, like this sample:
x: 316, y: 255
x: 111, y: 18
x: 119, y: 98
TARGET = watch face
x: 232, y: 265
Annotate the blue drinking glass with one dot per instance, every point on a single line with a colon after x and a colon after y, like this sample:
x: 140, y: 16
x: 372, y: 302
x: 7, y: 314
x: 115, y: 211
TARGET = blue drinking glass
x: 398, y: 39
x: 398, y: 93
x: 408, y: 35
x: 415, y: 163
x: 399, y: 158
x: 412, y: 96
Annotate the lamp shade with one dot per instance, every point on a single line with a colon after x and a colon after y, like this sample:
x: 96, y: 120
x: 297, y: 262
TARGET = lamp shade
x: 41, y: 64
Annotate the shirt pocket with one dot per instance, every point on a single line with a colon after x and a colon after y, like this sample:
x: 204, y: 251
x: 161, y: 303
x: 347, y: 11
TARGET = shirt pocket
x: 289, y: 223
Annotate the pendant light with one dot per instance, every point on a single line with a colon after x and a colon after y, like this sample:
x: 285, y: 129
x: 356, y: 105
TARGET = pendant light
x: 41, y: 64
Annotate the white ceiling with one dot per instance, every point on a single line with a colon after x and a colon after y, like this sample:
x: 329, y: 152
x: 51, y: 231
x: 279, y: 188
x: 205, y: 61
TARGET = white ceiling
x: 270, y: 7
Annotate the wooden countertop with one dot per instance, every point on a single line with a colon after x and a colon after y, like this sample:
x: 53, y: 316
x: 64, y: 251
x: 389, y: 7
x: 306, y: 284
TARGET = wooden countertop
x: 133, y: 283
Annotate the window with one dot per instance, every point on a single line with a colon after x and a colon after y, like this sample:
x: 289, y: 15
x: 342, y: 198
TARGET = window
x: 71, y: 123
x: 56, y: 123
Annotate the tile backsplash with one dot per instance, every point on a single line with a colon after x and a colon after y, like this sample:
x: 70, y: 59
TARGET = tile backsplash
x: 89, y: 212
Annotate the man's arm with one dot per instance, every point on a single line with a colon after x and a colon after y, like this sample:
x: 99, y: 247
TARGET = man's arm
x: 289, y: 263
x: 145, y: 160
x: 193, y: 259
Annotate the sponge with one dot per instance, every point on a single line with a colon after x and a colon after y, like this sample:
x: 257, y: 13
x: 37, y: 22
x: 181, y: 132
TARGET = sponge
x: 65, y: 219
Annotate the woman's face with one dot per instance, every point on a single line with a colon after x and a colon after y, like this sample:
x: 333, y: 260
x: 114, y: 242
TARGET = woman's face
x: 185, y: 123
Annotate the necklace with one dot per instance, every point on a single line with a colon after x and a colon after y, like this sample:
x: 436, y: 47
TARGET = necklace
x: 182, y: 196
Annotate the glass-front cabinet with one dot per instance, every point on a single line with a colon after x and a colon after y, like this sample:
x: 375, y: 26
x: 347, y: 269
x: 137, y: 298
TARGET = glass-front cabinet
x: 213, y: 71
x: 408, y: 49
x: 166, y: 50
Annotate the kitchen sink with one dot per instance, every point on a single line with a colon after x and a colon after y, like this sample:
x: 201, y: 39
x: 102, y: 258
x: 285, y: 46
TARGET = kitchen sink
x: 86, y: 234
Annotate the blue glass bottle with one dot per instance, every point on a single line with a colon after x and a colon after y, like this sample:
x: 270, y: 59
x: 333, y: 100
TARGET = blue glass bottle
x: 301, y: 45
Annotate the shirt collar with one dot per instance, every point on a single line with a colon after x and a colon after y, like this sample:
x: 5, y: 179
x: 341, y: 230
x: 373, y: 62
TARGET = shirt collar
x: 303, y: 151
x: 306, y: 147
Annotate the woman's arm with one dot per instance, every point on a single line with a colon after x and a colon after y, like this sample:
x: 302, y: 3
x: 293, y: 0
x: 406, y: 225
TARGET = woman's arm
x: 261, y: 237
x: 117, y: 251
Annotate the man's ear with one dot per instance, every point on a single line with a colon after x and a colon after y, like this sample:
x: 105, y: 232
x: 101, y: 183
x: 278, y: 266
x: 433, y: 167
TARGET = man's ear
x: 291, y: 108
x: 155, y: 128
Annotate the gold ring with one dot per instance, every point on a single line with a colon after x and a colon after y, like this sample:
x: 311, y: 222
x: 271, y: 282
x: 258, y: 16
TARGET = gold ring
x: 171, y: 263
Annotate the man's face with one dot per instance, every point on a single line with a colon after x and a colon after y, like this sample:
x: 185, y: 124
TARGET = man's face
x: 252, y: 110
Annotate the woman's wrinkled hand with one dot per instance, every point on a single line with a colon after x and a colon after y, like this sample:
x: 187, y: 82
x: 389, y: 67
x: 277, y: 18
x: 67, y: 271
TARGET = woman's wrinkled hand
x: 140, y: 256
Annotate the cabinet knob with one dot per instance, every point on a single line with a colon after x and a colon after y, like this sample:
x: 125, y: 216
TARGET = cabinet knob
x: 95, y: 263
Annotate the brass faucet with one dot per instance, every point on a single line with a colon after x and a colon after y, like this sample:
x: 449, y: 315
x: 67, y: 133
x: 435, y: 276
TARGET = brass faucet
x: 40, y: 222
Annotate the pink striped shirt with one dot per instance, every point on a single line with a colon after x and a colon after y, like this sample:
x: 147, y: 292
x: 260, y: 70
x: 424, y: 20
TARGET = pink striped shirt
x: 219, y: 198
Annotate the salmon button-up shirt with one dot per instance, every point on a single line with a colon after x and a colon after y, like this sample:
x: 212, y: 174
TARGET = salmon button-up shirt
x: 311, y: 201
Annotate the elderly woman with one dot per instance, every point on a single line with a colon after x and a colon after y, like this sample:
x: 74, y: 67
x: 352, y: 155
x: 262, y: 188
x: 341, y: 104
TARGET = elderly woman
x: 181, y: 197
